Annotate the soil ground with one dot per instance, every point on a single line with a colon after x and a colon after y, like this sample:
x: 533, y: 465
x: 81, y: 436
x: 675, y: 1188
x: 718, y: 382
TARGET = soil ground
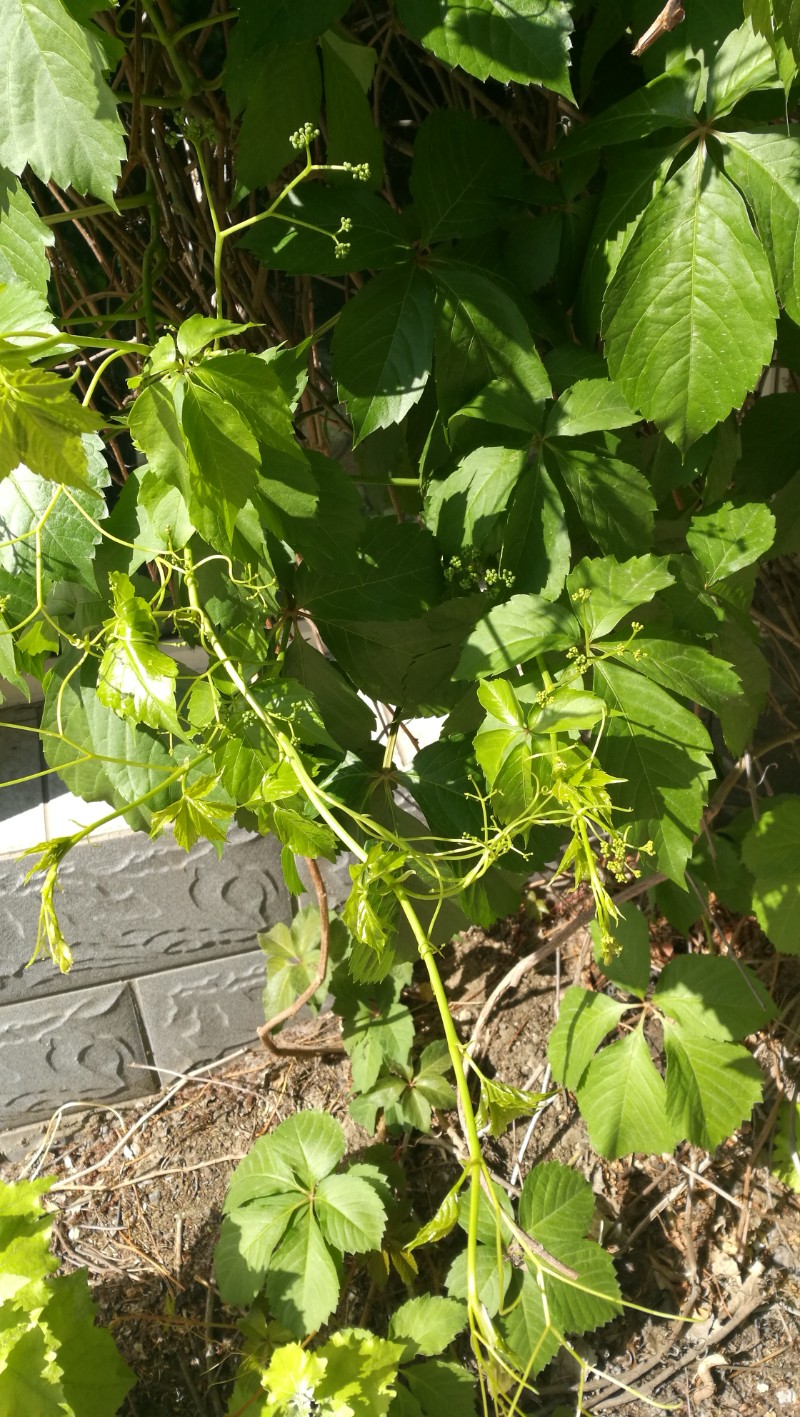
x: 715, y: 1237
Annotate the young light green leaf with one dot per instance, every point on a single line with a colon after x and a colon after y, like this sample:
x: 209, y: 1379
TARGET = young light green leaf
x: 727, y: 540
x: 302, y: 835
x: 359, y: 1374
x: 41, y: 423
x: 785, y: 1163
x: 520, y: 41
x: 382, y: 348
x: 441, y: 1223
x: 589, y: 406
x: 712, y: 1087
x: 498, y: 698
x: 95, y: 1379
x: 427, y: 1325
x: 301, y: 1150
x: 556, y: 1207
x: 291, y: 957
x: 350, y: 1214
x: 624, y: 1102
x: 603, y: 591
x: 203, y: 809
x: 57, y: 113
x: 136, y: 679
x: 511, y: 634
x: 693, y: 254
x: 499, y: 1105
x: 584, y: 1019
x: 771, y: 850
x: 713, y: 998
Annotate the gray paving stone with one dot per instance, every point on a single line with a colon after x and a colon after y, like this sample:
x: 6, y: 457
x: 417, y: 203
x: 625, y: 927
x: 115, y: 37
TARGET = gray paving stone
x: 132, y: 907
x: 71, y: 1047
x: 194, y: 1015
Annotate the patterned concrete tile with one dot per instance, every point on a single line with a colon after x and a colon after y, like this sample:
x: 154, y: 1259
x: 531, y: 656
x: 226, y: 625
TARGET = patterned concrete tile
x: 71, y: 1047
x: 196, y: 1014
x: 64, y: 813
x: 131, y: 906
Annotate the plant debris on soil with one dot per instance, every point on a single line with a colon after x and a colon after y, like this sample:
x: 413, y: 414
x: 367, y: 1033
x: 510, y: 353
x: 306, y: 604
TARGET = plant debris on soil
x: 712, y: 1240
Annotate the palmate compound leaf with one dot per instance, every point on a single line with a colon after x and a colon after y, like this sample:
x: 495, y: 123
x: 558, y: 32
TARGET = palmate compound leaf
x: 57, y: 113
x: 136, y: 679
x: 689, y: 317
x: 771, y: 850
x: 526, y: 41
x: 556, y: 1208
x: 383, y: 348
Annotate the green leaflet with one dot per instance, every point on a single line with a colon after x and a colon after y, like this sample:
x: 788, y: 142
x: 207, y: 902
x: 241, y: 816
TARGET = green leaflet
x: 629, y: 968
x: 136, y: 678
x: 727, y: 540
x: 613, y: 498
x: 23, y: 238
x: 605, y: 591
x: 771, y: 850
x: 510, y: 634
x: 382, y: 348
x: 764, y: 166
x: 744, y: 62
x: 692, y: 255
x: 588, y: 406
x: 427, y: 1325
x: 463, y: 175
x: 377, y: 1029
x: 407, y: 1100
x: 462, y: 509
x: 41, y: 426
x: 284, y: 89
x: 352, y: 135
x: 291, y: 959
x: 661, y: 751
x: 536, y: 548
x: 56, y: 111
x: 519, y: 41
x: 668, y: 101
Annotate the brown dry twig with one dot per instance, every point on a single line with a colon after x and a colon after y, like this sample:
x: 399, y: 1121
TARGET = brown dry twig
x: 669, y: 19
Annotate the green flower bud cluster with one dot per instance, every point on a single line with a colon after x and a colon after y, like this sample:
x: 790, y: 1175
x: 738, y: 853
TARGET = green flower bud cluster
x: 468, y: 573
x: 359, y: 170
x: 304, y: 136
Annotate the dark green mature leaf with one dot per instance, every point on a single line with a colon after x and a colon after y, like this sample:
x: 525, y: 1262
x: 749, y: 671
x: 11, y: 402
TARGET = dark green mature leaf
x: 512, y: 633
x: 223, y: 461
x: 686, y: 669
x: 100, y: 756
x: 281, y: 22
x: 522, y: 40
x: 463, y: 508
x: 284, y: 92
x: 536, y: 549
x: 463, y: 170
x: 629, y: 967
x: 771, y: 850
x: 56, y: 111
x: 68, y: 540
x: 614, y: 498
x: 41, y: 426
x: 378, y: 237
x: 481, y: 336
x: 604, y: 591
x: 348, y: 68
x: 668, y: 101
x: 669, y: 347
x: 347, y: 718
x: 23, y: 237
x: 395, y: 574
x: 661, y: 751
x: 383, y: 347
x: 730, y: 538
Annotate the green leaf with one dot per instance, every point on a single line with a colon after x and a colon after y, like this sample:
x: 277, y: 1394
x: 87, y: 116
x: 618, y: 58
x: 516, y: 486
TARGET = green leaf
x: 685, y: 669
x: 377, y: 1028
x: 667, y: 101
x: 30, y: 1381
x: 513, y: 633
x: 95, y: 1378
x: 727, y: 540
x: 661, y: 751
x: 623, y: 1100
x: 556, y: 1207
x: 56, y: 111
x: 712, y: 1087
x: 481, y: 336
x: 350, y: 1214
x: 396, y: 572
x: 204, y: 809
x: 605, y: 591
x: 291, y: 957
x: 519, y: 41
x: 584, y: 1019
x: 23, y: 238
x: 743, y: 63
x: 463, y: 508
x: 282, y: 22
x: 713, y: 997
x: 302, y: 835
x: 427, y: 1325
x: 442, y: 1387
x: 771, y: 850
x: 536, y: 549
x: 784, y: 1163
x: 125, y: 760
x: 136, y: 679
x: 669, y: 347
x: 196, y: 333
x: 67, y: 539
x: 303, y: 1281
x: 589, y: 406
x: 500, y: 1104
x: 462, y: 172
x: 41, y: 424
x: 382, y: 348
x: 360, y: 1370
x: 629, y: 967
x: 613, y: 498
x: 346, y: 717
x: 352, y: 135
x: 223, y: 462
x: 284, y: 91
